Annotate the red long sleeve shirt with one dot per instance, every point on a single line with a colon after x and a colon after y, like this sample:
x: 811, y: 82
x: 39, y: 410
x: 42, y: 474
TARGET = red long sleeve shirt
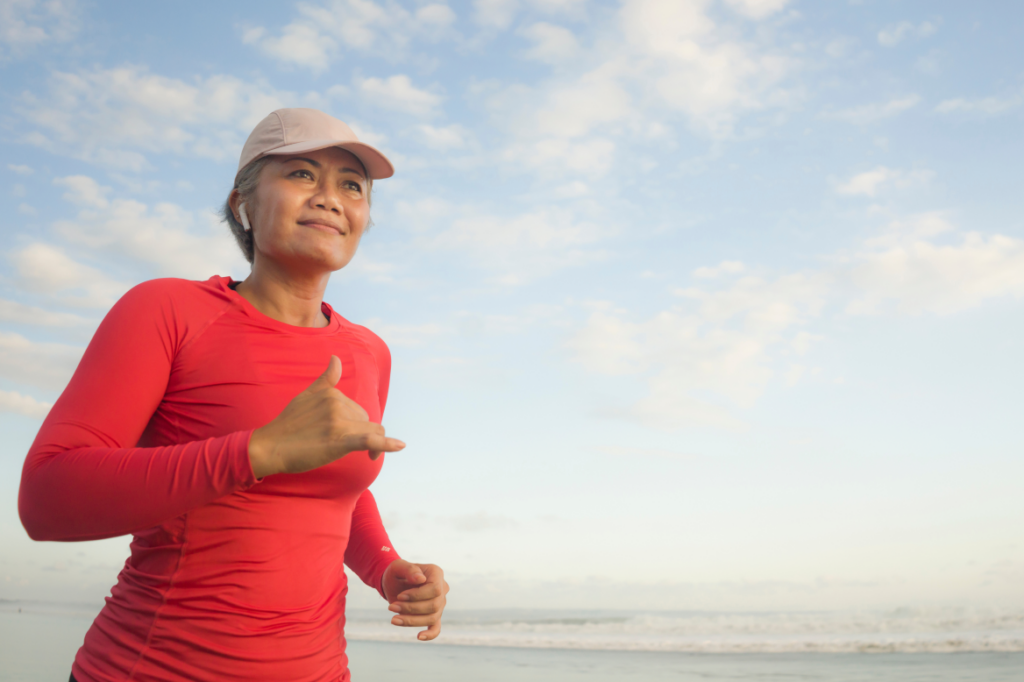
x: 230, y: 577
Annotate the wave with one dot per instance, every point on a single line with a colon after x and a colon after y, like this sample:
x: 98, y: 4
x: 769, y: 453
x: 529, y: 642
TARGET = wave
x: 901, y: 630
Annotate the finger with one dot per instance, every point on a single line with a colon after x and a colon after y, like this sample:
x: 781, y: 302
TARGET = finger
x: 418, y: 608
x: 422, y: 593
x: 378, y: 443
x: 430, y: 633
x: 357, y: 436
x: 433, y: 572
x: 393, y: 445
x: 415, y: 621
x: 330, y: 377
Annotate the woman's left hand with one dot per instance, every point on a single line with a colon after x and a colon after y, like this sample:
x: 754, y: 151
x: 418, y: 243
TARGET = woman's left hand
x: 417, y: 595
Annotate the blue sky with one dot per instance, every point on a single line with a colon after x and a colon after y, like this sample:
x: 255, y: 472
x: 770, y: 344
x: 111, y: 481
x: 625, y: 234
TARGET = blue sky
x: 692, y: 304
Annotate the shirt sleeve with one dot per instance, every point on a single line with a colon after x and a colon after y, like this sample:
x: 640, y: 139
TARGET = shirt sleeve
x: 84, y: 478
x: 369, y: 549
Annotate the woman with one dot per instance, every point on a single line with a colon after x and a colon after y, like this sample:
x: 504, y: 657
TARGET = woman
x: 234, y: 428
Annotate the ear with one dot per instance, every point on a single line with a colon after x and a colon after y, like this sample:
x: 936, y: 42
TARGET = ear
x: 234, y: 201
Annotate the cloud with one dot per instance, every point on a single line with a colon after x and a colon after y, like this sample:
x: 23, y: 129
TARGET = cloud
x: 20, y: 170
x: 866, y: 183
x: 500, y: 14
x: 572, y: 190
x: 125, y: 236
x: 46, y: 270
x: 512, y: 249
x: 571, y: 110
x: 757, y: 9
x: 910, y: 270
x: 299, y: 43
x: 397, y: 93
x: 551, y: 44
x: 574, y: 8
x: 727, y: 267
x: 559, y: 129
x: 12, y: 401
x: 552, y: 157
x: 28, y: 24
x: 436, y: 15
x: 714, y: 353
x: 45, y: 365
x: 991, y: 106
x: 322, y: 31
x: 19, y: 313
x: 869, y: 183
x: 710, y: 353
x: 495, y: 13
x: 658, y: 62
x: 84, y: 191
x: 162, y: 240
x: 694, y: 66
x: 443, y: 139
x: 872, y: 113
x: 114, y: 116
x: 893, y: 35
x: 840, y: 47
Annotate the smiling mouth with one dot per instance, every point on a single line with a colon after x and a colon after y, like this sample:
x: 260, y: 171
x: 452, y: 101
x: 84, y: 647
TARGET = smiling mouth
x: 322, y: 226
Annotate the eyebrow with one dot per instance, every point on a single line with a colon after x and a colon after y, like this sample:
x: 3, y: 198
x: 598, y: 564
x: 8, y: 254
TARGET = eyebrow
x: 316, y: 164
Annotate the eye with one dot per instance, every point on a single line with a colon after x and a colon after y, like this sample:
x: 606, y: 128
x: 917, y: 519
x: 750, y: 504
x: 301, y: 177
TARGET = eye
x: 353, y: 185
x: 303, y: 173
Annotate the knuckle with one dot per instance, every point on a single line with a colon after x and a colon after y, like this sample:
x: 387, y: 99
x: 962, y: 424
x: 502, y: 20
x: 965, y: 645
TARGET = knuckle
x: 335, y: 409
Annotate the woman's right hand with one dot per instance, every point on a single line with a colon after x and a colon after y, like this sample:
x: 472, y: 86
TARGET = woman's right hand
x: 318, y: 426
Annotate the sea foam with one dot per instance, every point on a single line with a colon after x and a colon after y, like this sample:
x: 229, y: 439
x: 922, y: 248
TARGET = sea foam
x: 901, y: 630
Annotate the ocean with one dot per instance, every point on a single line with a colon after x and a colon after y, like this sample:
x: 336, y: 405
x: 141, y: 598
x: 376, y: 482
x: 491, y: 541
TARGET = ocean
x: 38, y: 641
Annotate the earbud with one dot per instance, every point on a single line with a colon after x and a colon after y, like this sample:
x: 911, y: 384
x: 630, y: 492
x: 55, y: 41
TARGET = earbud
x: 244, y: 217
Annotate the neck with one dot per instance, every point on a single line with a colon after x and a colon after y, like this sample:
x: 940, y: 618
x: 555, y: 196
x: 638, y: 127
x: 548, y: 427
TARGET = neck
x: 280, y: 295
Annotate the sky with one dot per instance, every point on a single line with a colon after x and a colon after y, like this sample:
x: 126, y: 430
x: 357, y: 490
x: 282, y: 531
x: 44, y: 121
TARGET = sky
x: 692, y: 304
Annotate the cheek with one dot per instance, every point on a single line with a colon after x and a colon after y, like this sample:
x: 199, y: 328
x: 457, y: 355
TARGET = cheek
x: 276, y: 212
x: 359, y: 217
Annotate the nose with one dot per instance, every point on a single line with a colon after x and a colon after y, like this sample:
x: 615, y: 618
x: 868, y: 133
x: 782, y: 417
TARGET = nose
x: 327, y: 198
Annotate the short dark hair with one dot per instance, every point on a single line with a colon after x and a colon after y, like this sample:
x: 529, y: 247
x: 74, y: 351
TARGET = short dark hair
x: 245, y: 183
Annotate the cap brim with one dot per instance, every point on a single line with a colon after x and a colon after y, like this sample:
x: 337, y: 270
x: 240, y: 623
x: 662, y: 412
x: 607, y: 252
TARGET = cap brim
x: 376, y: 164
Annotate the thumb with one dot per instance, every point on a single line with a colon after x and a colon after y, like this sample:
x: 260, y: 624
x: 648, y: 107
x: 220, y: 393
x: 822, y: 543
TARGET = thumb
x: 410, y: 573
x: 330, y: 377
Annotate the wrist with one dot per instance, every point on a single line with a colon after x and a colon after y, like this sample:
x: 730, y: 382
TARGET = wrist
x: 259, y: 455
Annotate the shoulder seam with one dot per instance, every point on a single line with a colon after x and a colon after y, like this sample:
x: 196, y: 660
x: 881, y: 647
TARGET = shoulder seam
x: 206, y: 326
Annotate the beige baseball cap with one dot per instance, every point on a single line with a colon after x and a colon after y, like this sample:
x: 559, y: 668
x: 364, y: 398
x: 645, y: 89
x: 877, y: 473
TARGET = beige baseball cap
x: 293, y: 131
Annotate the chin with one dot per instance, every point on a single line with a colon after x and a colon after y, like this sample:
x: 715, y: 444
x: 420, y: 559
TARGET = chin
x: 327, y: 256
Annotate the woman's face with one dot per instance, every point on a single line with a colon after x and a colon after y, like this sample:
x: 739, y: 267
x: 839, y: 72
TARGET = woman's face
x: 310, y: 210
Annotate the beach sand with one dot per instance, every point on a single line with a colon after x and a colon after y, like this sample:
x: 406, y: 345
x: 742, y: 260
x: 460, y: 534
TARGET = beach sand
x: 386, y: 661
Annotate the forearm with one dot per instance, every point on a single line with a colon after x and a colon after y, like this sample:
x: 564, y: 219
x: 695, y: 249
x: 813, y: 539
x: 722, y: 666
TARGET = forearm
x: 89, y: 493
x: 369, y: 550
